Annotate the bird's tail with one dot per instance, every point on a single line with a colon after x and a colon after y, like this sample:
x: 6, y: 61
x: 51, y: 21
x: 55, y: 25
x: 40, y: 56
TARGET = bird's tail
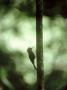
x: 34, y: 66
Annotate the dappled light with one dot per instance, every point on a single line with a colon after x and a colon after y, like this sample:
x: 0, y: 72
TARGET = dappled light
x: 17, y: 34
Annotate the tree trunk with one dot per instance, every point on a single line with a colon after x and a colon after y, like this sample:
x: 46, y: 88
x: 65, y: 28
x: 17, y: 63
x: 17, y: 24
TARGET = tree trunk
x: 39, y: 45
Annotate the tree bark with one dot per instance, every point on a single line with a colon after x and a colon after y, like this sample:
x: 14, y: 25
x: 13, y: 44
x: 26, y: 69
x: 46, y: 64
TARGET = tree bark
x: 39, y: 45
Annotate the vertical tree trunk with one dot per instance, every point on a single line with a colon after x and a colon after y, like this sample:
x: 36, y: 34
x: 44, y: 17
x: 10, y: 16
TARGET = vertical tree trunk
x: 39, y: 45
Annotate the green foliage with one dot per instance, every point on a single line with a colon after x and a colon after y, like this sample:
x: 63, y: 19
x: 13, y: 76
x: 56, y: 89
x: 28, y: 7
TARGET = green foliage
x: 56, y: 80
x: 17, y: 33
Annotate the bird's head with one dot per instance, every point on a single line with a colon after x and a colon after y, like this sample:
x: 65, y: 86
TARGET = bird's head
x: 29, y: 49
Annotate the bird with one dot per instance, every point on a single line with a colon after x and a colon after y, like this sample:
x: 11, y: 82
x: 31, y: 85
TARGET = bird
x: 31, y: 56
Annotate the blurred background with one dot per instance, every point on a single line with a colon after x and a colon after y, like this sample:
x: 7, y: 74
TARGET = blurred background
x: 18, y: 32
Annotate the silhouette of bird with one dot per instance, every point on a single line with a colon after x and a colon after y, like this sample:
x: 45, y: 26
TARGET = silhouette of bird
x: 31, y: 56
